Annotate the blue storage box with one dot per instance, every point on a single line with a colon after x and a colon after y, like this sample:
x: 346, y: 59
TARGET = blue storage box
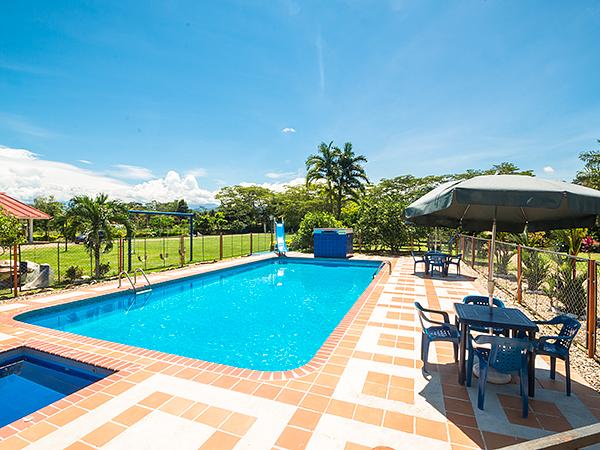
x: 333, y: 242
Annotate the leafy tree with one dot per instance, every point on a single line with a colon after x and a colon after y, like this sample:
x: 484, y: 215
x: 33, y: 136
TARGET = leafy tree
x: 351, y: 179
x: 322, y: 167
x: 341, y: 172
x: 96, y: 219
x: 504, y: 168
x: 55, y: 209
x: 303, y: 239
x: 246, y: 207
x: 208, y: 222
x: 296, y: 201
x: 381, y: 221
x: 590, y: 174
x: 11, y: 230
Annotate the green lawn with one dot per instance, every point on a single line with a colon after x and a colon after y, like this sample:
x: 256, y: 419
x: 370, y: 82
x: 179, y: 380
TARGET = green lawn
x: 149, y: 254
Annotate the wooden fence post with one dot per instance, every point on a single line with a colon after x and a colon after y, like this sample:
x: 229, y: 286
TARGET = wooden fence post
x: 592, y: 309
x: 16, y: 269
x: 519, y: 275
x: 472, y: 251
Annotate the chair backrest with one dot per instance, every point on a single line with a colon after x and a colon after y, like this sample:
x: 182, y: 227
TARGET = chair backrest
x: 483, y: 300
x: 456, y: 258
x: 422, y: 315
x: 507, y: 355
x: 570, y: 327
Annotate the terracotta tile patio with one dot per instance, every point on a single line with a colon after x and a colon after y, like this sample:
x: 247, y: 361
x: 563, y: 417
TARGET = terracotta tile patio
x: 363, y: 389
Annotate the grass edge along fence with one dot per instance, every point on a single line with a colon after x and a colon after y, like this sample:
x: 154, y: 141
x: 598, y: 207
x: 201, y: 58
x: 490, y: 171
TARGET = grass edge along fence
x: 70, y: 264
x: 544, y: 282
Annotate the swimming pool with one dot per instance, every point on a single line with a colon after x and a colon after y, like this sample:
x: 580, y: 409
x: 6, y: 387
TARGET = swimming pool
x: 31, y: 379
x: 273, y: 314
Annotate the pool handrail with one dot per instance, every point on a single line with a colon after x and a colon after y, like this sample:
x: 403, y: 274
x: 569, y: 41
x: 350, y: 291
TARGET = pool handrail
x: 144, y: 275
x: 123, y: 272
x: 382, y: 264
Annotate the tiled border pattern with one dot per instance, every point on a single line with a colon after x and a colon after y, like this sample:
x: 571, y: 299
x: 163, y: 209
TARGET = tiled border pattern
x: 363, y: 393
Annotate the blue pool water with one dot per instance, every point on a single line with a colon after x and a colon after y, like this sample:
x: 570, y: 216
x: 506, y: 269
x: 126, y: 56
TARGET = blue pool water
x: 267, y: 315
x: 30, y: 380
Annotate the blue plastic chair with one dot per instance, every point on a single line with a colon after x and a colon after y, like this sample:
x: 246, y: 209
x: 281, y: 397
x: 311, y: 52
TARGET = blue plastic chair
x: 558, y: 346
x: 438, y: 260
x: 419, y: 260
x: 454, y: 261
x: 484, y: 300
x: 506, y: 355
x: 437, y: 331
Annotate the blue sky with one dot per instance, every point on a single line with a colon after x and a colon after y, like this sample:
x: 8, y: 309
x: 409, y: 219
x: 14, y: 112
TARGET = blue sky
x: 180, y: 97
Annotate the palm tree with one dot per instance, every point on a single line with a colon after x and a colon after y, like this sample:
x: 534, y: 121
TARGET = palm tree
x: 95, y: 218
x: 341, y: 171
x: 323, y: 167
x: 352, y: 176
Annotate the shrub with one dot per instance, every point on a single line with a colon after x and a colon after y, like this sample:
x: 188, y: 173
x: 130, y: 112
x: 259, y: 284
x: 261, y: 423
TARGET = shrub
x: 568, y: 289
x: 534, y: 269
x: 73, y: 273
x: 103, y: 269
x: 303, y: 240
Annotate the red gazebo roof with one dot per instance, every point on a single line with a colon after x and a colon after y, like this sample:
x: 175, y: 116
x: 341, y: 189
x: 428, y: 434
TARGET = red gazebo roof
x: 20, y: 210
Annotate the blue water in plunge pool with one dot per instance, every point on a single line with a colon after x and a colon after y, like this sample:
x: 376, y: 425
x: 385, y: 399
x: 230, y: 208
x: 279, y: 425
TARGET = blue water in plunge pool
x: 31, y: 379
x: 268, y: 315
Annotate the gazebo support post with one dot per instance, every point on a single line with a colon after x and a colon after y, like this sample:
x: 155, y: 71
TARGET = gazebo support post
x: 15, y: 272
x: 30, y: 230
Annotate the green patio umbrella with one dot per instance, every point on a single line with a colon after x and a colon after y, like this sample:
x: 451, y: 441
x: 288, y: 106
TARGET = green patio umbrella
x: 511, y: 203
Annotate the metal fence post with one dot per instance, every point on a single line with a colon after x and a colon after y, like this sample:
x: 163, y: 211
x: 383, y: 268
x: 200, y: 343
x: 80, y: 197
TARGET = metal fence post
x: 58, y: 259
x: 519, y: 274
x: 472, y: 251
x: 592, y: 309
x: 221, y: 246
x: 250, y: 244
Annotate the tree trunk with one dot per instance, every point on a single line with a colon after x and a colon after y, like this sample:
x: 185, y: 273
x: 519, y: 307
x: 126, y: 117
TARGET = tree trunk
x: 97, y: 261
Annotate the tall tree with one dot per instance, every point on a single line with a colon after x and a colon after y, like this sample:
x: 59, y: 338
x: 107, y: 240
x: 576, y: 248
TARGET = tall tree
x: 590, y: 174
x: 340, y: 171
x: 11, y: 230
x: 246, y: 207
x: 352, y: 177
x: 96, y: 219
x: 52, y: 207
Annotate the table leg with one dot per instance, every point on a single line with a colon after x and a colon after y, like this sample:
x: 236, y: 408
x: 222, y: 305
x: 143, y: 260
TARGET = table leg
x: 532, y: 367
x: 462, y: 353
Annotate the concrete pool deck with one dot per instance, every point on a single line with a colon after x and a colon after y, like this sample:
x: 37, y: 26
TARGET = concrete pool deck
x: 363, y: 389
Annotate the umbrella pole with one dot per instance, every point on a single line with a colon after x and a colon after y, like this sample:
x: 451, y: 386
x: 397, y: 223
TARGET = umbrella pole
x: 491, y: 265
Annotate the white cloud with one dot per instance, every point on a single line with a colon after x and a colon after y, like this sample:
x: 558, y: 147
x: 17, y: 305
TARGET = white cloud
x: 549, y: 170
x: 277, y: 187
x: 24, y: 175
x: 197, y: 172
x: 132, y: 172
x: 21, y: 125
x: 278, y: 175
x: 84, y: 161
x: 288, y: 130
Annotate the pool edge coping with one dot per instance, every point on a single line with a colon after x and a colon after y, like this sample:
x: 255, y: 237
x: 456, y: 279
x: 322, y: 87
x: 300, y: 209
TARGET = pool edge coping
x: 319, y: 359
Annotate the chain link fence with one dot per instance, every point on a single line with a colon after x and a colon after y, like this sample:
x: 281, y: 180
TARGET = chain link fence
x: 42, y: 265
x: 545, y: 283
